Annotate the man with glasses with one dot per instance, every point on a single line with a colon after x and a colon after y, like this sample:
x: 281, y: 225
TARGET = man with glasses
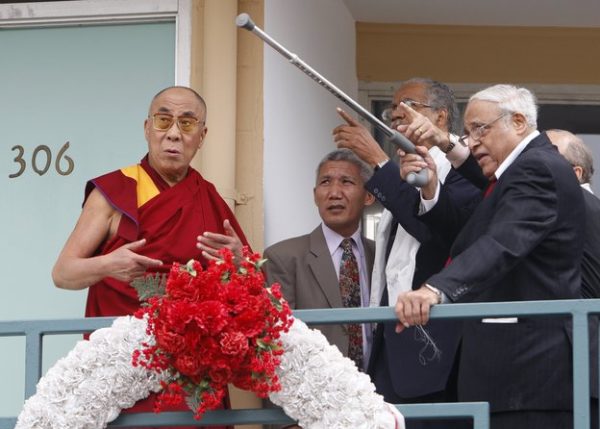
x: 522, y: 242
x: 416, y: 366
x: 144, y: 217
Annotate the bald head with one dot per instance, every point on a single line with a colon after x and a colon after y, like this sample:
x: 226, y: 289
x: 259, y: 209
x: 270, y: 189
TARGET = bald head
x: 575, y: 151
x: 184, y: 88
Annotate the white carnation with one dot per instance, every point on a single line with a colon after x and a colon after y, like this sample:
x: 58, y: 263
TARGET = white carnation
x: 90, y: 386
x: 317, y: 382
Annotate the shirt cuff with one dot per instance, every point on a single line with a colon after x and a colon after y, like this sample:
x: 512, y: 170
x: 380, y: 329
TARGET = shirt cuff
x: 427, y: 205
x: 381, y: 164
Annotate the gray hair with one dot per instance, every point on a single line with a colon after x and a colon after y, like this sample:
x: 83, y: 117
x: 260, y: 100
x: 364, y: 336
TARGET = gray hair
x: 511, y: 99
x: 347, y: 155
x: 439, y: 96
x: 576, y: 152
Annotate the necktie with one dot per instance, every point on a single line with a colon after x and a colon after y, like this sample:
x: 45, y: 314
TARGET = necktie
x: 489, y: 188
x: 350, y: 292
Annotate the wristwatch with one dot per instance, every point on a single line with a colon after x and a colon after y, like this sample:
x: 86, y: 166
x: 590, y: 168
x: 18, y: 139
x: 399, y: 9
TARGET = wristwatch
x: 436, y: 291
x: 453, y: 141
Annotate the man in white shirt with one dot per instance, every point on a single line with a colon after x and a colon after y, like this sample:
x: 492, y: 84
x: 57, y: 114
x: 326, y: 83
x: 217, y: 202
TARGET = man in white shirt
x: 415, y: 366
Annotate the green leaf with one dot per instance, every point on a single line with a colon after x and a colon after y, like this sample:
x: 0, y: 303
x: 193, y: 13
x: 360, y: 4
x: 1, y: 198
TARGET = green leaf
x: 189, y: 267
x: 150, y: 285
x: 260, y: 263
x: 194, y: 394
x: 193, y: 402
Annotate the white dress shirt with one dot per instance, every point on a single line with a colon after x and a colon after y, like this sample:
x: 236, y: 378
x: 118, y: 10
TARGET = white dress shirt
x: 398, y: 270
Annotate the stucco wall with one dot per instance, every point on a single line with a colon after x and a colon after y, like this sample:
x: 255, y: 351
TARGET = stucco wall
x: 300, y: 114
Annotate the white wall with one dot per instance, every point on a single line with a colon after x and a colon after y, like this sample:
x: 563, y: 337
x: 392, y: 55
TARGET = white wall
x: 300, y: 114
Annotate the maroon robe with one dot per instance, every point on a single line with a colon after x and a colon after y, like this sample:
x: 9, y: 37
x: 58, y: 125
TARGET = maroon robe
x: 169, y: 218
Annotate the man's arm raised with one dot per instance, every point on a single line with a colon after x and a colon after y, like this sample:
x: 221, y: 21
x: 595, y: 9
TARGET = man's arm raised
x: 76, y: 267
x: 356, y: 137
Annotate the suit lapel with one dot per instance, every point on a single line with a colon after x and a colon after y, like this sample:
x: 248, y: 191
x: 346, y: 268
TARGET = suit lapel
x: 369, y: 247
x: 321, y: 265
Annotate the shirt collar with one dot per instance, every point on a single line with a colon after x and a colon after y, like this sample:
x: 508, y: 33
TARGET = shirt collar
x: 334, y: 239
x: 515, y: 152
x: 587, y: 187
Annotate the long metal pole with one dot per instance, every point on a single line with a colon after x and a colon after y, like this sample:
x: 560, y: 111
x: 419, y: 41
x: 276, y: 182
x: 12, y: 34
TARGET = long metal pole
x: 244, y: 21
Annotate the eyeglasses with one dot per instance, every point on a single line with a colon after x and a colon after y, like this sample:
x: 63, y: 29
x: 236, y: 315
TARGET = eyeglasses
x: 479, y: 131
x: 164, y: 122
x: 387, y: 114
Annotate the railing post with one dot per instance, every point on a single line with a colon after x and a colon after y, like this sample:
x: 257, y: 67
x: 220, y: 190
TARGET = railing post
x: 33, y: 361
x: 581, y: 370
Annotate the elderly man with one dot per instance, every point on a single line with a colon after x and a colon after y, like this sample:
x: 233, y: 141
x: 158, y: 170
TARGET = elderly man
x: 522, y: 242
x: 579, y: 156
x: 144, y: 217
x: 405, y: 368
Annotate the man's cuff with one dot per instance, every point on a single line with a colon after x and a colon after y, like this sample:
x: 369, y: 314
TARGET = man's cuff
x: 427, y: 205
x: 380, y: 164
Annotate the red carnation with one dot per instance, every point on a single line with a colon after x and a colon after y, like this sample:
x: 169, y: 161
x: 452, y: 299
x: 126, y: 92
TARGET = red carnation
x: 234, y: 343
x: 214, y: 327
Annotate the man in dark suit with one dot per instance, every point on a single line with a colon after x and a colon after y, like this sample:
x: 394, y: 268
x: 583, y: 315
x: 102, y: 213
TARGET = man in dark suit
x: 522, y: 242
x: 408, y: 367
x: 307, y: 267
x: 579, y: 156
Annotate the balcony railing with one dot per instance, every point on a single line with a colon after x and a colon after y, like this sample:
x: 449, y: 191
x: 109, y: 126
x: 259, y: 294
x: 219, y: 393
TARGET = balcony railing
x: 579, y: 310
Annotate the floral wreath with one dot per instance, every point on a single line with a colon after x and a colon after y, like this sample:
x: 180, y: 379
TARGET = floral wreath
x: 184, y: 349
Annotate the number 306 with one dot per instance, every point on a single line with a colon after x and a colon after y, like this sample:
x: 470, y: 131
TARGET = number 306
x: 41, y: 159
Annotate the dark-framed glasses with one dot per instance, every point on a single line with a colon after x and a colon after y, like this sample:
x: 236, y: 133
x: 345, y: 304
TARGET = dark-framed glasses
x: 479, y: 131
x: 164, y: 122
x: 387, y: 114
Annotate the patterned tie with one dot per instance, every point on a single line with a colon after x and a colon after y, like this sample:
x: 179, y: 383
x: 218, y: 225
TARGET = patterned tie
x: 350, y: 292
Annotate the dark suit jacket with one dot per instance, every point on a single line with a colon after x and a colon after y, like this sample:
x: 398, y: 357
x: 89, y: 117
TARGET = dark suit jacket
x: 590, y: 264
x: 523, y: 242
x: 411, y: 376
x: 303, y: 267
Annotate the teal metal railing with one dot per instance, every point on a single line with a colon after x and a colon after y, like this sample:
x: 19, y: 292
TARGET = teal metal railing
x: 579, y: 310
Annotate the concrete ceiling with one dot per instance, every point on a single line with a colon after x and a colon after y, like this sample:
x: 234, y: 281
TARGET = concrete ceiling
x: 547, y: 13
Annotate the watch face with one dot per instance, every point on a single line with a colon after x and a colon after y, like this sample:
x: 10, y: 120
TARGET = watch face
x: 449, y: 147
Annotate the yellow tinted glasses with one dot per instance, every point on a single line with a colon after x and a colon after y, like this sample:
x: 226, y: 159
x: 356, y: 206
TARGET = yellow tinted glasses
x: 164, y: 122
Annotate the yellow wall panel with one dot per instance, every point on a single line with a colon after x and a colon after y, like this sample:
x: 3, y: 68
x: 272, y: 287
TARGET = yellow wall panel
x: 546, y: 55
